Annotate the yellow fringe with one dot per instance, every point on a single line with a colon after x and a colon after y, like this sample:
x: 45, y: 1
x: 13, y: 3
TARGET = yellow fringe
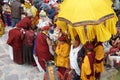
x: 102, y: 31
x: 111, y: 25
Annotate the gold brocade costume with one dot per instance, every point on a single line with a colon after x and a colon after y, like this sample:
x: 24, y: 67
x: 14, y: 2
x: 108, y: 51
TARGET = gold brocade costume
x: 87, y: 18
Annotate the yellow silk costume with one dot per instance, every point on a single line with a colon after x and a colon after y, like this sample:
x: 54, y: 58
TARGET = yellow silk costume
x: 86, y: 70
x: 99, y: 54
x: 62, y: 58
x: 87, y: 18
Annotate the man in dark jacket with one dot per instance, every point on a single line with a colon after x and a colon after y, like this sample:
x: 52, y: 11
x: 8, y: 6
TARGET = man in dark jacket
x: 16, y: 11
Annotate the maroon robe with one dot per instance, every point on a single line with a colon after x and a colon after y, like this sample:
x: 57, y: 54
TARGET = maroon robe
x: 29, y: 37
x: 25, y: 23
x: 42, y: 49
x: 14, y: 40
x: 28, y: 46
x: 91, y: 58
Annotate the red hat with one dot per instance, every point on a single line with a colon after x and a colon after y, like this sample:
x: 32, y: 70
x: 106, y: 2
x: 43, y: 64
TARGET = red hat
x: 62, y: 38
x: 46, y: 28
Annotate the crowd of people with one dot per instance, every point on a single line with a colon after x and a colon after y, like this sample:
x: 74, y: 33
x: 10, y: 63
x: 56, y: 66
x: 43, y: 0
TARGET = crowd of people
x: 34, y: 32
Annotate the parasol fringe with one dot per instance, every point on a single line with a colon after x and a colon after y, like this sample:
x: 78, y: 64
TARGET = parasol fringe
x: 110, y: 25
x: 100, y: 31
x: 89, y: 22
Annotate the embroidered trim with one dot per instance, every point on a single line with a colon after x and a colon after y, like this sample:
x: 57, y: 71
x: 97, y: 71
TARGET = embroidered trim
x: 89, y: 22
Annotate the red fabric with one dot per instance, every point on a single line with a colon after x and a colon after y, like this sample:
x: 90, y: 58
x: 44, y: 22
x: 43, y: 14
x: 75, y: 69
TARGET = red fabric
x: 89, y: 46
x: 46, y: 28
x: 18, y: 56
x: 29, y: 37
x: 62, y: 70
x: 25, y: 23
x: 113, y: 49
x: 42, y: 64
x: 14, y: 40
x: 62, y: 38
x: 68, y: 74
x: 42, y: 49
x: 91, y: 58
x: 46, y: 1
x: 119, y: 64
x: 97, y: 75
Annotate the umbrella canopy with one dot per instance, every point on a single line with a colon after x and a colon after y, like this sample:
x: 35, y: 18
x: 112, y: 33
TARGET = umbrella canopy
x: 88, y: 19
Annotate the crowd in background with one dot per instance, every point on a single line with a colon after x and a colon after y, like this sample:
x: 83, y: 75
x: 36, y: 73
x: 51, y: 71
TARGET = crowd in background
x: 35, y: 34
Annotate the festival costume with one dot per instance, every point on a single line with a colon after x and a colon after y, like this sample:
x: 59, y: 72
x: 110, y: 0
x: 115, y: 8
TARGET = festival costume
x: 99, y: 56
x: 62, y: 54
x: 62, y: 59
x: 87, y: 68
x: 87, y: 18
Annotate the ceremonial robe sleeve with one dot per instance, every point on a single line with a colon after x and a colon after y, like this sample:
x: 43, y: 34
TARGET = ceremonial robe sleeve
x: 99, y: 52
x: 87, y: 68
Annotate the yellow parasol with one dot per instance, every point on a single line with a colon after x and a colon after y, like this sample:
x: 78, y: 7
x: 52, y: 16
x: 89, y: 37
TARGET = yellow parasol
x: 88, y: 18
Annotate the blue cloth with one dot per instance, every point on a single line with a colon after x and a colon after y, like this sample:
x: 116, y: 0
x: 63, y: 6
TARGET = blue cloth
x: 8, y: 19
x: 34, y: 51
x: 51, y: 13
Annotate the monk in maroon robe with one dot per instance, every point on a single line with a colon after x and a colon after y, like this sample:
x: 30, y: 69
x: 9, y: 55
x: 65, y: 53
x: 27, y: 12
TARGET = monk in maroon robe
x: 42, y: 47
x: 15, y: 41
x: 25, y: 23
